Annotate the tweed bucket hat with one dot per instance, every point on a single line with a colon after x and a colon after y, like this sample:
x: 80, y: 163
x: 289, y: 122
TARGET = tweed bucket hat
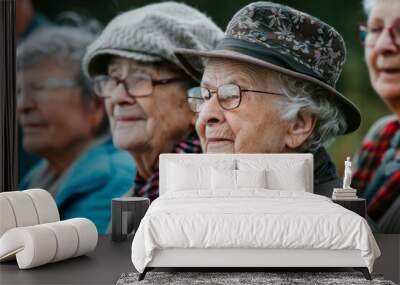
x: 286, y: 40
x: 150, y: 34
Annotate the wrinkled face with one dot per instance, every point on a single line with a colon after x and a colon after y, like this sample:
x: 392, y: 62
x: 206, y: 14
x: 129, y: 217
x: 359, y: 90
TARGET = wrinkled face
x: 156, y: 121
x: 384, y: 58
x: 50, y: 109
x: 256, y: 125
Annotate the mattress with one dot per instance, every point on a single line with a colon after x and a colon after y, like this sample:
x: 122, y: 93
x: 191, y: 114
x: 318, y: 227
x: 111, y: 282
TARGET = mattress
x: 250, y: 219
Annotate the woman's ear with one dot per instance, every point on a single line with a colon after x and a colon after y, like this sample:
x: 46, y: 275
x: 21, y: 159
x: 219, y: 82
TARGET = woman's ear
x: 300, y: 129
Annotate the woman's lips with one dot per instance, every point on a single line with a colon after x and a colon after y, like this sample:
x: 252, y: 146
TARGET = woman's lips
x: 390, y: 69
x: 29, y: 128
x: 128, y: 118
x: 218, y: 140
x: 390, y: 74
x: 32, y: 125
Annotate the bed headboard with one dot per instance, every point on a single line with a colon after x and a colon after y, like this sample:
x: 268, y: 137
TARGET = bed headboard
x: 268, y: 159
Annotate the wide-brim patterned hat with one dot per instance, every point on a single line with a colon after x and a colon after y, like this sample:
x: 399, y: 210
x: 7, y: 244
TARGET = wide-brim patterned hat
x: 282, y: 39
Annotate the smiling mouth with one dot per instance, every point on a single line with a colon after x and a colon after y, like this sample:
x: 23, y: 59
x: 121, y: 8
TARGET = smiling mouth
x: 128, y: 119
x: 218, y: 140
x: 390, y: 70
x: 30, y: 128
x: 32, y: 125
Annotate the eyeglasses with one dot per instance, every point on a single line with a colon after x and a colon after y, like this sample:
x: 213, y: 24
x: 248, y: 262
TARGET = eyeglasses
x: 36, y: 89
x: 229, y: 96
x: 136, y: 85
x: 369, y: 35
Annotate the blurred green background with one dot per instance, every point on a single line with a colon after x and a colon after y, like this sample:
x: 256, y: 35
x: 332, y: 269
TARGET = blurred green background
x: 341, y: 14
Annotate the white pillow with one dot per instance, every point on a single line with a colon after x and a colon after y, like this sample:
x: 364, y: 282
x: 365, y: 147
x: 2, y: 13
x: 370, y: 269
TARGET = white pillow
x: 292, y: 179
x: 183, y: 177
x: 223, y: 179
x: 251, y: 178
x: 186, y: 175
x: 281, y: 175
x: 236, y: 179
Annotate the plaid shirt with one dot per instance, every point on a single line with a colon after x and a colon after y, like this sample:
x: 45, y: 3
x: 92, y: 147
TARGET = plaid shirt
x: 369, y: 178
x: 149, y: 187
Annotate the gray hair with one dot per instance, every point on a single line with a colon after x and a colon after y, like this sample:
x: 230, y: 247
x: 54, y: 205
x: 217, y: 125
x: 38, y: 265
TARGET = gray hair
x: 56, y: 42
x: 305, y: 96
x: 64, y: 45
x: 368, y: 5
x: 64, y: 42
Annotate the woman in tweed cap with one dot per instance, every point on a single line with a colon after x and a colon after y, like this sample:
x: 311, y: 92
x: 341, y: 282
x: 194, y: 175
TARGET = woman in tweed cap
x: 134, y: 68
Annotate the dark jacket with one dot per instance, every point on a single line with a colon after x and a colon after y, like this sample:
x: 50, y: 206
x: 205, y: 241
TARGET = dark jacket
x: 325, y: 177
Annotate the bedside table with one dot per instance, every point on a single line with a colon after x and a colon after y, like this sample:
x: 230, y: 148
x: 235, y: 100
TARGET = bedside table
x: 127, y: 212
x: 357, y: 205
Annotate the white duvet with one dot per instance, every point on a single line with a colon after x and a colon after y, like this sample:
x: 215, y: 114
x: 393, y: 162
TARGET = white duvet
x: 253, y: 218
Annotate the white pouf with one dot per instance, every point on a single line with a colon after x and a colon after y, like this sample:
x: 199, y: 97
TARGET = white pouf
x: 7, y: 218
x: 66, y: 237
x: 23, y: 208
x: 45, y: 205
x: 26, y: 208
x: 40, y: 244
x: 32, y: 246
x: 87, y: 234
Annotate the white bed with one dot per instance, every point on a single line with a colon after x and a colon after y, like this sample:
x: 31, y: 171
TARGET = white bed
x: 199, y: 225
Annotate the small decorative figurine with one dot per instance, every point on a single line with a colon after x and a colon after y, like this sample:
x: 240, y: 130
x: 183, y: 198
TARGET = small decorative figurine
x: 347, y: 174
x: 345, y: 193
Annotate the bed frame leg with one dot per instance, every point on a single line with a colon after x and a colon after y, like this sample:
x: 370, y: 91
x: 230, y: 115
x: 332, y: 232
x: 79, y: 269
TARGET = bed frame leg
x: 143, y: 274
x: 364, y: 271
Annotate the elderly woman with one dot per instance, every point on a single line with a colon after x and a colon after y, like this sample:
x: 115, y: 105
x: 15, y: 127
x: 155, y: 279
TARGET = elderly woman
x: 269, y: 87
x: 144, y: 86
x: 66, y: 125
x: 377, y: 175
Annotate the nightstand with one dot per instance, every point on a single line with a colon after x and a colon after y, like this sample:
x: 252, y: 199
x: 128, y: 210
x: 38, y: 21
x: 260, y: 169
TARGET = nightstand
x: 127, y: 212
x: 357, y: 205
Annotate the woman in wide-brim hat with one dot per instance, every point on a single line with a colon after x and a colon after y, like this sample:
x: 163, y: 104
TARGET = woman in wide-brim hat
x: 269, y: 86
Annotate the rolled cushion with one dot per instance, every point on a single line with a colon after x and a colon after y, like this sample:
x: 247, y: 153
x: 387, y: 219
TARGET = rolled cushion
x: 23, y: 208
x: 40, y: 244
x: 67, y: 240
x: 87, y: 234
x: 26, y: 208
x: 32, y: 246
x: 45, y: 205
x: 7, y: 218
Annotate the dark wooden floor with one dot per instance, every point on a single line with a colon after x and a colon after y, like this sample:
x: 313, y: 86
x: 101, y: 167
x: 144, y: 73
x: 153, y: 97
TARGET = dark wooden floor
x: 106, y: 264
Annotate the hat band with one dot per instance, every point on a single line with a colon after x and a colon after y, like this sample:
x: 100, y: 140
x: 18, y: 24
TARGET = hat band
x: 267, y: 55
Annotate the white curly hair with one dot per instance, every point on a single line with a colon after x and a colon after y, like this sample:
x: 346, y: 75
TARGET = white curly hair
x: 308, y: 97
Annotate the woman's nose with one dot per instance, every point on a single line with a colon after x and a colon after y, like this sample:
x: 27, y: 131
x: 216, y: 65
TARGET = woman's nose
x: 120, y: 96
x: 211, y: 112
x: 25, y: 102
x: 386, y: 42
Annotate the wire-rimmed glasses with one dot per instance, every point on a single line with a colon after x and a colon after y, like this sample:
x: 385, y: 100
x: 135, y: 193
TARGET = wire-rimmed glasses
x: 370, y: 34
x: 229, y: 96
